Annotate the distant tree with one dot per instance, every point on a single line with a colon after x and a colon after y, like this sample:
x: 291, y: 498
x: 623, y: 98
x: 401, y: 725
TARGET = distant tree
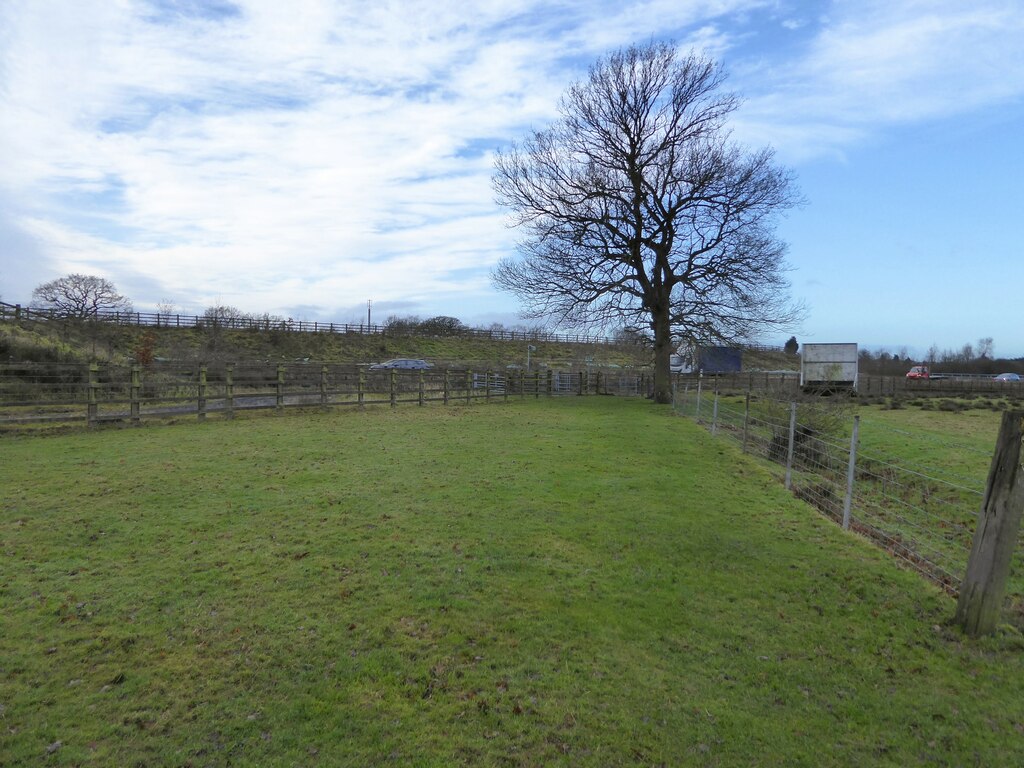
x: 442, y: 325
x: 80, y: 296
x: 639, y: 208
x: 631, y: 335
x: 792, y: 346
x: 401, y: 326
x: 145, y: 348
x: 222, y: 315
x: 985, y: 348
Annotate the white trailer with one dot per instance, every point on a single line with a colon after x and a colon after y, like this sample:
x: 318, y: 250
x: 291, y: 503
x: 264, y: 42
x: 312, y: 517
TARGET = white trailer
x: 828, y: 367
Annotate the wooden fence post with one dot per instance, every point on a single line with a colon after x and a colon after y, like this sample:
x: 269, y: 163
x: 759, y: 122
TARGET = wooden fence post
x: 487, y: 385
x: 746, y: 421
x: 201, y: 395
x: 469, y: 386
x: 421, y: 387
x: 323, y: 386
x: 361, y: 388
x: 92, y: 410
x: 394, y: 394
x: 136, y: 393
x: 229, y: 390
x: 851, y: 471
x: 789, y: 450
x: 447, y: 386
x: 550, y: 384
x: 981, y: 594
x: 279, y: 402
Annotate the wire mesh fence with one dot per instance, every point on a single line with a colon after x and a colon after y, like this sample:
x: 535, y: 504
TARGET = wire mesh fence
x: 916, y: 494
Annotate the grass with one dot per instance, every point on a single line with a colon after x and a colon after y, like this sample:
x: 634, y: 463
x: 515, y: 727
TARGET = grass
x: 572, y: 582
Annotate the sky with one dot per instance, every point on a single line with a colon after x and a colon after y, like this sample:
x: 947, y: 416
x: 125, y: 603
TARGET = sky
x: 305, y: 158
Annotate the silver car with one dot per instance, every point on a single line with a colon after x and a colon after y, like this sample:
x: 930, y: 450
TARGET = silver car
x: 402, y: 363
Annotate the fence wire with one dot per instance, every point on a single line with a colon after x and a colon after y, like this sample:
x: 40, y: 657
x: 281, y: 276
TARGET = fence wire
x: 922, y: 512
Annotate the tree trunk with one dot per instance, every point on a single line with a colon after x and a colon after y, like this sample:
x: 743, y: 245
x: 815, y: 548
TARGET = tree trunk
x: 988, y: 570
x: 662, y: 355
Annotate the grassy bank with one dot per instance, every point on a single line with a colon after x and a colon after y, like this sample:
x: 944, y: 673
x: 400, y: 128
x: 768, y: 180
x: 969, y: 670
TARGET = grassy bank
x: 576, y: 582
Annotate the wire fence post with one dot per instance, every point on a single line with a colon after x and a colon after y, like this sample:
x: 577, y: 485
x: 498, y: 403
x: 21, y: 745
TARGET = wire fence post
x: 323, y: 386
x: 851, y: 470
x: 700, y: 384
x: 92, y: 410
x: 136, y: 393
x: 469, y: 387
x: 229, y: 390
x: 789, y: 450
x: 201, y: 395
x: 988, y: 569
x: 714, y: 415
x: 447, y: 386
x: 361, y: 388
x: 746, y: 421
x: 279, y: 402
x: 421, y: 387
x: 394, y: 395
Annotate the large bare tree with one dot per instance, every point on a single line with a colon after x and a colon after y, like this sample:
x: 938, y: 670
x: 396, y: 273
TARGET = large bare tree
x: 639, y: 209
x: 80, y: 296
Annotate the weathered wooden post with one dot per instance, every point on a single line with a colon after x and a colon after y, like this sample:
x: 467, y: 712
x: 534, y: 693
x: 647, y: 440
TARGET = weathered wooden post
x: 447, y: 386
x: 981, y: 594
x: 714, y: 415
x: 201, y: 394
x: 851, y: 470
x: 469, y: 387
x: 789, y: 450
x: 279, y: 401
x: 361, y: 388
x: 746, y: 421
x: 229, y: 390
x: 487, y: 385
x: 550, y: 384
x: 92, y: 409
x: 136, y: 393
x: 580, y: 392
x: 394, y: 394
x: 421, y: 388
x: 323, y: 387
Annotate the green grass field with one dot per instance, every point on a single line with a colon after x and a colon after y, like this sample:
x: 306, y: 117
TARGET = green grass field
x: 583, y: 581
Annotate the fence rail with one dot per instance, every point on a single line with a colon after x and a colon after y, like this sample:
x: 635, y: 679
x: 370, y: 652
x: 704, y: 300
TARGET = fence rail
x: 249, y: 323
x: 867, y: 385
x: 41, y: 393
x: 925, y: 516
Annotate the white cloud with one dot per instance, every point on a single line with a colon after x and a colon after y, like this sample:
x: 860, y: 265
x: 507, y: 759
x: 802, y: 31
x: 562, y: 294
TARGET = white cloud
x: 320, y: 153
x: 876, y: 63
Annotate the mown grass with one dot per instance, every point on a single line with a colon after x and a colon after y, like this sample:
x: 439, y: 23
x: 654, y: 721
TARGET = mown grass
x: 585, y: 581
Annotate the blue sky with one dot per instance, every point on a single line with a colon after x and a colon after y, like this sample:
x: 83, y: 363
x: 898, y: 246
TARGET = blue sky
x: 301, y: 158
